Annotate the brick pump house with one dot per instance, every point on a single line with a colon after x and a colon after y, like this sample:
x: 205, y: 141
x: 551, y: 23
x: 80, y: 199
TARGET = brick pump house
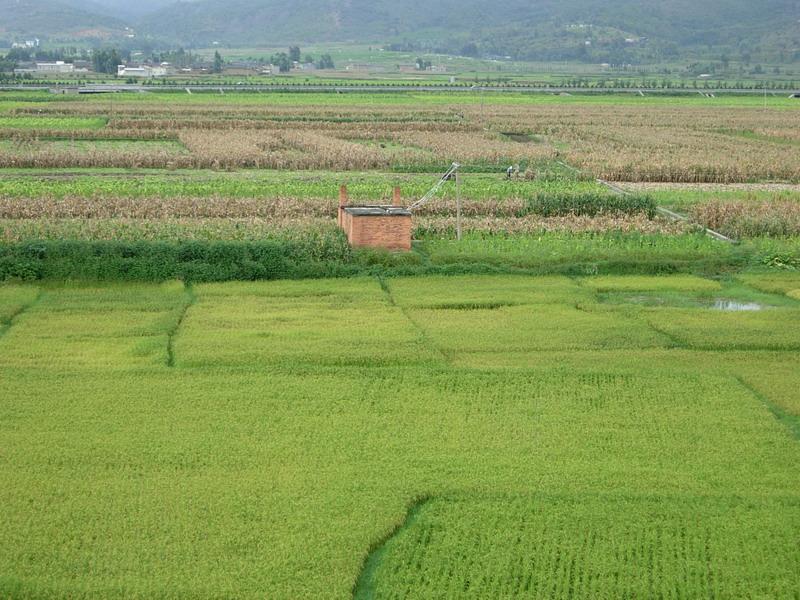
x: 376, y: 226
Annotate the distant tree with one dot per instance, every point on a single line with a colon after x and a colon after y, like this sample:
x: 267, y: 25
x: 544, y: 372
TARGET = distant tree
x: 294, y: 53
x: 106, y: 60
x: 218, y: 63
x: 325, y: 62
x: 282, y: 61
x: 178, y: 58
x: 18, y: 54
x: 6, y: 65
x: 307, y: 59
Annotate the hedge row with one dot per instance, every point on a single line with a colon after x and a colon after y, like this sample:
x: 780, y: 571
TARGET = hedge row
x: 198, y: 261
x: 158, y: 261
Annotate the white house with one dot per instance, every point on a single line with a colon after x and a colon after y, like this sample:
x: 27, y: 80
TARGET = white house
x: 34, y: 43
x: 55, y: 67
x: 143, y: 71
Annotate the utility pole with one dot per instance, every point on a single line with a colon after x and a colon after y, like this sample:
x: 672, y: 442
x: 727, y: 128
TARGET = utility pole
x: 458, y: 205
x: 480, y: 89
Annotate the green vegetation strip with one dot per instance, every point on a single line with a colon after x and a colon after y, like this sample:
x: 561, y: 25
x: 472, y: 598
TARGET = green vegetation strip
x: 261, y: 184
x: 58, y: 123
x: 325, y: 253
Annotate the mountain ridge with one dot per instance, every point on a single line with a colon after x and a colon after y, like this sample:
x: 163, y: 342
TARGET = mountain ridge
x: 591, y: 30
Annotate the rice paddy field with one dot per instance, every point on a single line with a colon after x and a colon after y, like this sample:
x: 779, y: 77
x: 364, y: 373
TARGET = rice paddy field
x: 205, y: 392
x: 478, y: 436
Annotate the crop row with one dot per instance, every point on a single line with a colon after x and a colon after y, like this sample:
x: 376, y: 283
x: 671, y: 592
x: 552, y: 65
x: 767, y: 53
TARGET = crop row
x: 255, y: 228
x: 40, y: 121
x: 291, y: 149
x: 748, y: 219
x: 362, y: 187
x: 580, y: 547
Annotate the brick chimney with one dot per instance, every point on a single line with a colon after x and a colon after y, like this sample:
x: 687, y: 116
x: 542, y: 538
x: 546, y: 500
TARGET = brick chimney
x: 342, y: 202
x: 397, y: 199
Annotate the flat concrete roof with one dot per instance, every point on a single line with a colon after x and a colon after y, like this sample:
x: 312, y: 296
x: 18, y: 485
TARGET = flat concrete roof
x: 377, y: 211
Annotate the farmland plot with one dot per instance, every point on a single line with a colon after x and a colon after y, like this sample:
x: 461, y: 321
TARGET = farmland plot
x: 330, y: 438
x: 607, y: 138
x: 584, y: 547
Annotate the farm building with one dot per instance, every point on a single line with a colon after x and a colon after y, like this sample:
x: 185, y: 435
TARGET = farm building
x: 376, y: 226
x: 58, y: 66
x: 161, y: 70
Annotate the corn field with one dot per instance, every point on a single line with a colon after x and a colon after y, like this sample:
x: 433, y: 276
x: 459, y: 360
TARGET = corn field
x: 750, y: 219
x: 613, y: 142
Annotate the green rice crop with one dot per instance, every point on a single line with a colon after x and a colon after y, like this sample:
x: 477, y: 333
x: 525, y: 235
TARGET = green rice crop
x: 133, y: 320
x: 316, y: 439
x: 338, y: 323
x: 13, y: 300
x: 493, y: 291
x: 573, y: 546
x: 773, y: 329
x: 775, y: 283
x: 684, y: 283
x: 532, y: 328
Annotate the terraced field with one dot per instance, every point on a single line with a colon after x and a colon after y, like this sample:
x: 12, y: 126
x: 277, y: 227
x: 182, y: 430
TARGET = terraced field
x: 471, y: 436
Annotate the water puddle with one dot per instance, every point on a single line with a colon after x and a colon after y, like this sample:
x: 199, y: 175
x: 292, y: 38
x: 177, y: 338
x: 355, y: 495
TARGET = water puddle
x: 734, y: 306
x: 684, y: 301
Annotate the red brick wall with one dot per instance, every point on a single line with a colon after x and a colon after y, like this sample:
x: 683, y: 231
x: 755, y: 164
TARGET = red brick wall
x: 344, y: 221
x: 393, y: 233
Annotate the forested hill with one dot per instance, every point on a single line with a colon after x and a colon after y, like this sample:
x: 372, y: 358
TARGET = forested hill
x: 53, y: 18
x: 593, y: 30
x: 535, y: 29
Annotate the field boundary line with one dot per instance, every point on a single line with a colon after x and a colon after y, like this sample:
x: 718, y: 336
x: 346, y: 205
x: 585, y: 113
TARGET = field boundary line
x: 7, y: 323
x: 191, y: 298
x: 785, y: 418
x: 423, y: 334
x: 363, y: 587
x: 678, y: 342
